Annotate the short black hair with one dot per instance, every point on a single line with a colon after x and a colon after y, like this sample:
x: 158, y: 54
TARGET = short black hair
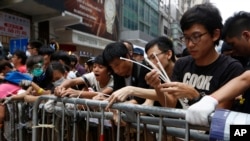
x: 99, y: 60
x: 46, y: 50
x: 205, y: 14
x: 114, y: 50
x: 73, y: 58
x: 61, y: 55
x: 35, y: 44
x: 21, y: 54
x: 164, y: 44
x: 235, y: 24
x: 58, y: 66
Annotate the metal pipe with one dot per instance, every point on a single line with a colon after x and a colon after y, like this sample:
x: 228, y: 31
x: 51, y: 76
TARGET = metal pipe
x: 138, y: 127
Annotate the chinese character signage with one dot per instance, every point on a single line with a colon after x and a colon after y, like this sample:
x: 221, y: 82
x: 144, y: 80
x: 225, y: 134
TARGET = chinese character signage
x: 14, y: 26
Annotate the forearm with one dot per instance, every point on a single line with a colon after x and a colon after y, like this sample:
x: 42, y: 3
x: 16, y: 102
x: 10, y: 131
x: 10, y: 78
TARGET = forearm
x: 107, y: 90
x: 154, y: 94
x: 67, y: 83
x: 87, y: 94
x: 233, y: 88
x: 166, y: 100
x: 149, y: 102
x: 72, y: 82
x: 39, y: 90
x: 143, y: 93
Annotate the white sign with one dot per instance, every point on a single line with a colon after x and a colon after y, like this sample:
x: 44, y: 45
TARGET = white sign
x: 14, y: 26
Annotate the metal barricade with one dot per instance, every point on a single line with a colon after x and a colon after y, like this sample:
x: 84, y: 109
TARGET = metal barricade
x: 76, y: 124
x: 166, y: 120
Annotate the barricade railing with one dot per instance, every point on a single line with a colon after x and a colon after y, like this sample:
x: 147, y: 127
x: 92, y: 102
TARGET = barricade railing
x: 57, y: 125
x: 165, y: 120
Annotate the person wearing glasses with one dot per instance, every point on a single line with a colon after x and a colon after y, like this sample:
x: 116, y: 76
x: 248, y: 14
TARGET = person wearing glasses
x: 33, y: 47
x: 236, y: 33
x: 204, y: 70
x: 162, y: 47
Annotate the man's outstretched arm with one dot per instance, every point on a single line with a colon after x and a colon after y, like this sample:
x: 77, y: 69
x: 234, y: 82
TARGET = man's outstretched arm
x: 198, y: 113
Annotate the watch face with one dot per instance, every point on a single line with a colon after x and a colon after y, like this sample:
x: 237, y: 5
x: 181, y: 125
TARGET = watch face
x: 109, y: 8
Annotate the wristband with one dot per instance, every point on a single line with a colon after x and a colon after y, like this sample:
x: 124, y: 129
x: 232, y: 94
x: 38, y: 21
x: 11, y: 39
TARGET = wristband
x: 201, y: 94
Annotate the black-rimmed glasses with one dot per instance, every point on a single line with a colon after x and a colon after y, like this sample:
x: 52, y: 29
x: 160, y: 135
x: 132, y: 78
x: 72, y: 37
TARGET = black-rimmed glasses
x: 152, y: 56
x: 195, y: 38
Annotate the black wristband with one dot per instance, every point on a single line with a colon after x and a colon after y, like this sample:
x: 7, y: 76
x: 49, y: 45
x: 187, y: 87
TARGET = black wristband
x: 201, y: 94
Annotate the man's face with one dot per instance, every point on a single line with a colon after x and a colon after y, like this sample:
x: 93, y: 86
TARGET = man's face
x: 199, y: 42
x: 32, y: 50
x: 121, y: 67
x: 240, y: 45
x: 162, y: 56
x: 15, y: 60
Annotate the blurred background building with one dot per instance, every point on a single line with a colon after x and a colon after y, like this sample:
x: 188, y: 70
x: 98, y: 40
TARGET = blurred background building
x: 86, y: 26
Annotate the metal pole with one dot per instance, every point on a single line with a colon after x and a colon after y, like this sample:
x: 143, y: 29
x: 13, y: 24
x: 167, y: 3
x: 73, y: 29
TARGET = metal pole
x: 138, y: 127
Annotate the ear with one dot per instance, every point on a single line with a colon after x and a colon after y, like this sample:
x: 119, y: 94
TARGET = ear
x: 216, y: 34
x: 170, y: 53
x: 246, y: 35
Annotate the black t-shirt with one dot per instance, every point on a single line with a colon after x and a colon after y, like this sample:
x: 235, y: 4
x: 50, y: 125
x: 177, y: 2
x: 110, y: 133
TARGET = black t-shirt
x: 206, y: 79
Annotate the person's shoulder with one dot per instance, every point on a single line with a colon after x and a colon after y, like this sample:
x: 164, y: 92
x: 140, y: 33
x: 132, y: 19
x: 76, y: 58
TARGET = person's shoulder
x: 229, y: 65
x: 90, y: 74
x: 225, y: 59
x: 79, y: 66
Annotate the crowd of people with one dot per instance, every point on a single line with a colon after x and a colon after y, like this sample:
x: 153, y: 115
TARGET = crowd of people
x: 200, y: 81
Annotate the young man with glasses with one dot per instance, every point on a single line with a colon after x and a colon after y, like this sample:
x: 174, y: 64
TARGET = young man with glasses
x: 204, y: 70
x: 34, y: 46
x: 236, y: 33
